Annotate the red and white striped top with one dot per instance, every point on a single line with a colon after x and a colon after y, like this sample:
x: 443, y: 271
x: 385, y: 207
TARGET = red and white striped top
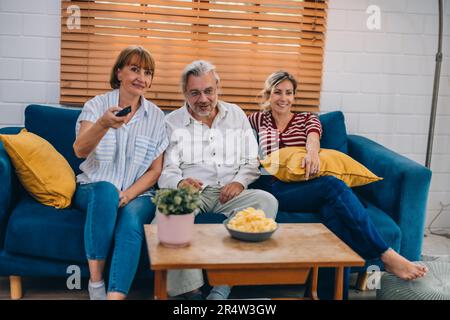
x: 295, y: 134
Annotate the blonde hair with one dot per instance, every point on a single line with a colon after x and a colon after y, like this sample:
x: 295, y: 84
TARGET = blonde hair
x: 143, y: 58
x: 271, y: 82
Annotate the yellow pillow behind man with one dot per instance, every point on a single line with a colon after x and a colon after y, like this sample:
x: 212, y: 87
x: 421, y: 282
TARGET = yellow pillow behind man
x: 285, y: 164
x: 42, y: 170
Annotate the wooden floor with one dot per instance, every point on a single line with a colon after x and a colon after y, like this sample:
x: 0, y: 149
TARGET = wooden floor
x: 56, y: 289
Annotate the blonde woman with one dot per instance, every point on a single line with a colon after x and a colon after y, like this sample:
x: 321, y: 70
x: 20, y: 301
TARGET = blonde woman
x: 341, y: 211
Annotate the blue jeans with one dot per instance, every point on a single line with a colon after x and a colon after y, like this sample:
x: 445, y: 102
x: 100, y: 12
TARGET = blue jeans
x: 107, y: 224
x: 339, y: 208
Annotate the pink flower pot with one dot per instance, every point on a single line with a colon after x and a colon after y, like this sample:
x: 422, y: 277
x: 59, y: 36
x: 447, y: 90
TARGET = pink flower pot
x: 175, y: 230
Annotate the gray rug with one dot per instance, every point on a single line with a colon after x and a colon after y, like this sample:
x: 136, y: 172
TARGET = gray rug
x: 435, y: 285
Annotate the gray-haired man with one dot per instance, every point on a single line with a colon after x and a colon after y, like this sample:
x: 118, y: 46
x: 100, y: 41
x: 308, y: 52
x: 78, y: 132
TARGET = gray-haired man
x: 212, y: 147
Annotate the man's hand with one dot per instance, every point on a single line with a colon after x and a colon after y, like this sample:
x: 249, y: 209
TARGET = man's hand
x: 124, y: 198
x: 197, y: 184
x: 230, y: 191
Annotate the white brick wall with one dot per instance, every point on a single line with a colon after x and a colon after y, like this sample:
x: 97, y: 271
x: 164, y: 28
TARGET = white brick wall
x: 29, y: 56
x: 382, y: 80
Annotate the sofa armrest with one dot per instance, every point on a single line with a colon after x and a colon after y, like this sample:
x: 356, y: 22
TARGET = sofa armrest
x: 5, y: 191
x: 402, y: 193
x: 8, y: 184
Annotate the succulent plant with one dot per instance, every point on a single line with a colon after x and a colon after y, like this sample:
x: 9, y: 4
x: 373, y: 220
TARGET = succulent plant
x: 176, y: 201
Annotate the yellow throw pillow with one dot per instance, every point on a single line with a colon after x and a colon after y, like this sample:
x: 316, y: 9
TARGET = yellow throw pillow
x: 285, y: 164
x: 42, y: 170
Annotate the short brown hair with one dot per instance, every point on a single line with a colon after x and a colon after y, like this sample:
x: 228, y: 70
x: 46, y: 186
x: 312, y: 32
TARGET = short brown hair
x: 143, y: 57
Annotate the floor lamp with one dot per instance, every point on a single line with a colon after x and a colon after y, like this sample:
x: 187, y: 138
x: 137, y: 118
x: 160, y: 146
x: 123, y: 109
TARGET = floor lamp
x: 437, y: 76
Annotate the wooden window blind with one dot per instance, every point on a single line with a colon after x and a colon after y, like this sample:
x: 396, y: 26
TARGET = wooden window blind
x: 246, y: 40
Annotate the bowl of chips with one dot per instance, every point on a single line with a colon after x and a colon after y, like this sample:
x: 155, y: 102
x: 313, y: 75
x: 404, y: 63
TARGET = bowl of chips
x: 251, y: 225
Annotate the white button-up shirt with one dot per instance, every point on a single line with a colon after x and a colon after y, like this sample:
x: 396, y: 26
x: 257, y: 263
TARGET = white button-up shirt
x: 123, y: 155
x: 227, y: 152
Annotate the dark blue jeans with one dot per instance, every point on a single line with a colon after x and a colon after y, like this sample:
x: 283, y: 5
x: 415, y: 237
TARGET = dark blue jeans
x: 339, y: 208
x: 107, y: 224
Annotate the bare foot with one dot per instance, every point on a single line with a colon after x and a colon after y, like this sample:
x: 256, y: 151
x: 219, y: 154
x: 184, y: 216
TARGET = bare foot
x: 402, y: 267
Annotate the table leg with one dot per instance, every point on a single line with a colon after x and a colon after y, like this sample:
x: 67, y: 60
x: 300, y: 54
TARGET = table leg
x: 315, y: 277
x: 160, y: 289
x: 339, y: 283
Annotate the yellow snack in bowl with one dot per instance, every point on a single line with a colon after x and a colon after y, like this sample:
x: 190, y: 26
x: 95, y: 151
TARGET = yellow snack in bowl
x: 252, y: 220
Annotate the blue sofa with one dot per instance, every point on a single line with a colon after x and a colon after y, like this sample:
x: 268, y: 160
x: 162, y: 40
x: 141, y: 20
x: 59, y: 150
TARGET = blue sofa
x: 37, y: 240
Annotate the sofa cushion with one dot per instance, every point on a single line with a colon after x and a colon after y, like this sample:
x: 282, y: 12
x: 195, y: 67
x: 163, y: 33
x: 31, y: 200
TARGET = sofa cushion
x: 57, y: 126
x: 285, y: 165
x: 334, y: 135
x: 209, y: 218
x: 43, y: 171
x: 387, y: 228
x: 25, y: 265
x: 390, y: 232
x: 42, y: 231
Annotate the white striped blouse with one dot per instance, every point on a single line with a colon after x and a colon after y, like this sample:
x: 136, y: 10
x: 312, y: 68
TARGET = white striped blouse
x: 123, y: 155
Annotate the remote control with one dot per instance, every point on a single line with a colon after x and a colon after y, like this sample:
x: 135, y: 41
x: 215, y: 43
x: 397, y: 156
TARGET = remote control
x: 123, y: 112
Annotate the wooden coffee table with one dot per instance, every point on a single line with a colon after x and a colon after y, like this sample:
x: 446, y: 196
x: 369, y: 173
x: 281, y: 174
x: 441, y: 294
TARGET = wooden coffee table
x: 292, y: 256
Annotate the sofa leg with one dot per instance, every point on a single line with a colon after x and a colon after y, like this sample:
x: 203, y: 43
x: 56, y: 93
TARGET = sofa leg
x: 15, y: 283
x: 361, y: 282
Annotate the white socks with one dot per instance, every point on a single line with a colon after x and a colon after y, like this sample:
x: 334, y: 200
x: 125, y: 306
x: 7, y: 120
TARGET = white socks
x: 97, y: 290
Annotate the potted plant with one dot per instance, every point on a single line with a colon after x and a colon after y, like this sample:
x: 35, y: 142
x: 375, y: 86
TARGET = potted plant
x: 175, y: 214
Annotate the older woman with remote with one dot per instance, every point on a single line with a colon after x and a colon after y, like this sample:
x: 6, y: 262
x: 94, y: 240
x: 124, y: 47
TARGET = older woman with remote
x: 122, y: 136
